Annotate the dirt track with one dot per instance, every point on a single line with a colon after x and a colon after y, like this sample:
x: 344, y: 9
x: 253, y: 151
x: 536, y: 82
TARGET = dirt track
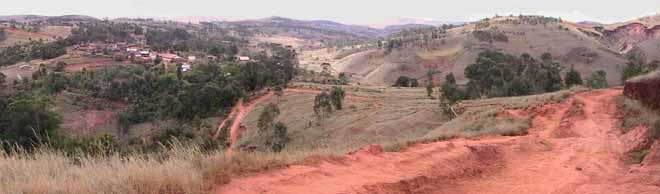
x: 239, y: 111
x: 572, y: 147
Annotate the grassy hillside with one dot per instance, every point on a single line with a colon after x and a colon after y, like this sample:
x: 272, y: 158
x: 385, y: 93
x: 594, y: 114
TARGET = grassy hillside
x: 453, y: 50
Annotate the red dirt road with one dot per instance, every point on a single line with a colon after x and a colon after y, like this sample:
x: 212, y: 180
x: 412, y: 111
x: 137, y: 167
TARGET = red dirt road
x: 237, y: 115
x: 572, y: 147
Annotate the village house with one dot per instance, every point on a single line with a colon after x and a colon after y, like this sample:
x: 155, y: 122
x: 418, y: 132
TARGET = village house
x: 170, y: 58
x: 243, y: 59
x: 192, y: 59
x: 185, y: 67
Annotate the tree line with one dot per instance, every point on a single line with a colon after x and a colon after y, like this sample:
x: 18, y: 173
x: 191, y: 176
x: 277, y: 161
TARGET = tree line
x: 496, y: 74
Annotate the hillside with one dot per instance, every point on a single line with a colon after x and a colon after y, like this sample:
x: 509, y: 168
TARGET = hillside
x: 455, y: 48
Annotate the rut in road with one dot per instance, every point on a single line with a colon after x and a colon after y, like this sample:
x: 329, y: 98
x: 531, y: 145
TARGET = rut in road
x: 572, y: 147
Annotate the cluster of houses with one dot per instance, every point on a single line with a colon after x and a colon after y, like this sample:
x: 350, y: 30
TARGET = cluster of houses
x: 133, y: 52
x: 137, y: 53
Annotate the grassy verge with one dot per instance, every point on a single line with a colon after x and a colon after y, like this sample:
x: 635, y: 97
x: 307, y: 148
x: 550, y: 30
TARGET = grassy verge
x: 181, y: 169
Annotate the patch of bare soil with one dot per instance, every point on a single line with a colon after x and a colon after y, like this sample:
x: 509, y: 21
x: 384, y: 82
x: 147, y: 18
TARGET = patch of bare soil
x: 590, y: 161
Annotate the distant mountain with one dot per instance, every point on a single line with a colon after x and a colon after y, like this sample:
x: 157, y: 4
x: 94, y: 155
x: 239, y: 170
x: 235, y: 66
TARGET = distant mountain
x: 590, y: 23
x: 35, y: 18
x: 396, y: 28
x: 308, y: 30
x: 407, y: 21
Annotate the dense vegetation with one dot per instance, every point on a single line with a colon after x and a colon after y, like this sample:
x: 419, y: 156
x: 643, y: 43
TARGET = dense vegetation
x: 598, y: 80
x: 32, y: 50
x: 637, y: 65
x: 150, y: 93
x: 496, y: 74
x: 490, y: 36
x: 105, y: 32
x: 405, y: 81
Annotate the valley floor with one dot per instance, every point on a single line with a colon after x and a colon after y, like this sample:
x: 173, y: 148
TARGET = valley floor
x: 572, y: 147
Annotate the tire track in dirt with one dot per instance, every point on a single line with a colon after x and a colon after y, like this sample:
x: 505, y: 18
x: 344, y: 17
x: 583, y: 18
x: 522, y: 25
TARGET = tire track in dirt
x: 591, y: 161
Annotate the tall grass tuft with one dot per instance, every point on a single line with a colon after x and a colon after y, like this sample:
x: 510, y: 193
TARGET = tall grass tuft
x: 181, y: 169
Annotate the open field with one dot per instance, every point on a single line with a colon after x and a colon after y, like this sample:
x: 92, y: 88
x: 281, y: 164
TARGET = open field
x: 370, y: 116
x: 47, y: 33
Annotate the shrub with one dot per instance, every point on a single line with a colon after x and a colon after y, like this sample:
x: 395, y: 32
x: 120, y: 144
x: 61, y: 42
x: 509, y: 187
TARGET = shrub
x: 268, y: 117
x: 280, y: 137
x: 573, y: 78
x: 59, y: 67
x: 343, y: 79
x: 404, y: 81
x: 597, y: 80
x: 337, y: 95
x: 322, y: 104
x: 450, y: 91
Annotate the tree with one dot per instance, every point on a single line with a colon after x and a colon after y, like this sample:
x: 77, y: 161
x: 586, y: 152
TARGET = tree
x: 268, y: 117
x: 278, y: 91
x: 404, y: 81
x: 337, y: 95
x: 343, y: 78
x: 158, y: 60
x: 26, y: 119
x: 3, y: 34
x: 3, y: 78
x: 597, y: 80
x: 496, y: 74
x: 634, y: 67
x: 572, y: 78
x: 451, y: 94
x: 450, y: 91
x: 280, y: 137
x: 59, y: 67
x: 322, y: 105
x: 179, y: 71
x: 429, y: 82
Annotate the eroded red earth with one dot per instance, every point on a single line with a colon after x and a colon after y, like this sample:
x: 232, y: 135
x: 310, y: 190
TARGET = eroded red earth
x: 572, y: 147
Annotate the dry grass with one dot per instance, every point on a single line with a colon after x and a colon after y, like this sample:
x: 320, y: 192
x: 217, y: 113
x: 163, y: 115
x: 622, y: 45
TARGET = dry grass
x: 488, y: 116
x: 482, y: 121
x: 648, y: 76
x: 376, y: 117
x: 182, y: 169
x: 635, y: 114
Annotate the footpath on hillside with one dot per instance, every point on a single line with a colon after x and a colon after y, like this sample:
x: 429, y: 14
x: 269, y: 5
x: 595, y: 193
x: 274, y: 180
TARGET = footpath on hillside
x: 572, y: 147
x: 241, y: 109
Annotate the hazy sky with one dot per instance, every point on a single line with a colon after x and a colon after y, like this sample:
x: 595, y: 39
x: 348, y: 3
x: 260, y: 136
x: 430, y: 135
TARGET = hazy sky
x: 346, y: 11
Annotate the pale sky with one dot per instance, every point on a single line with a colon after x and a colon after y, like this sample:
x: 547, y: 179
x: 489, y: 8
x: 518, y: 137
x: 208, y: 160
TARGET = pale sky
x: 345, y: 11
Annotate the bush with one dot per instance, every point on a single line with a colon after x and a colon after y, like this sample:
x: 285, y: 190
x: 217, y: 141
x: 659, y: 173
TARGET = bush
x: 280, y: 137
x: 573, y: 78
x: 322, y: 104
x: 343, y: 79
x: 268, y: 117
x: 337, y: 95
x: 59, y: 67
x: 450, y: 91
x: 404, y: 81
x: 598, y: 80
